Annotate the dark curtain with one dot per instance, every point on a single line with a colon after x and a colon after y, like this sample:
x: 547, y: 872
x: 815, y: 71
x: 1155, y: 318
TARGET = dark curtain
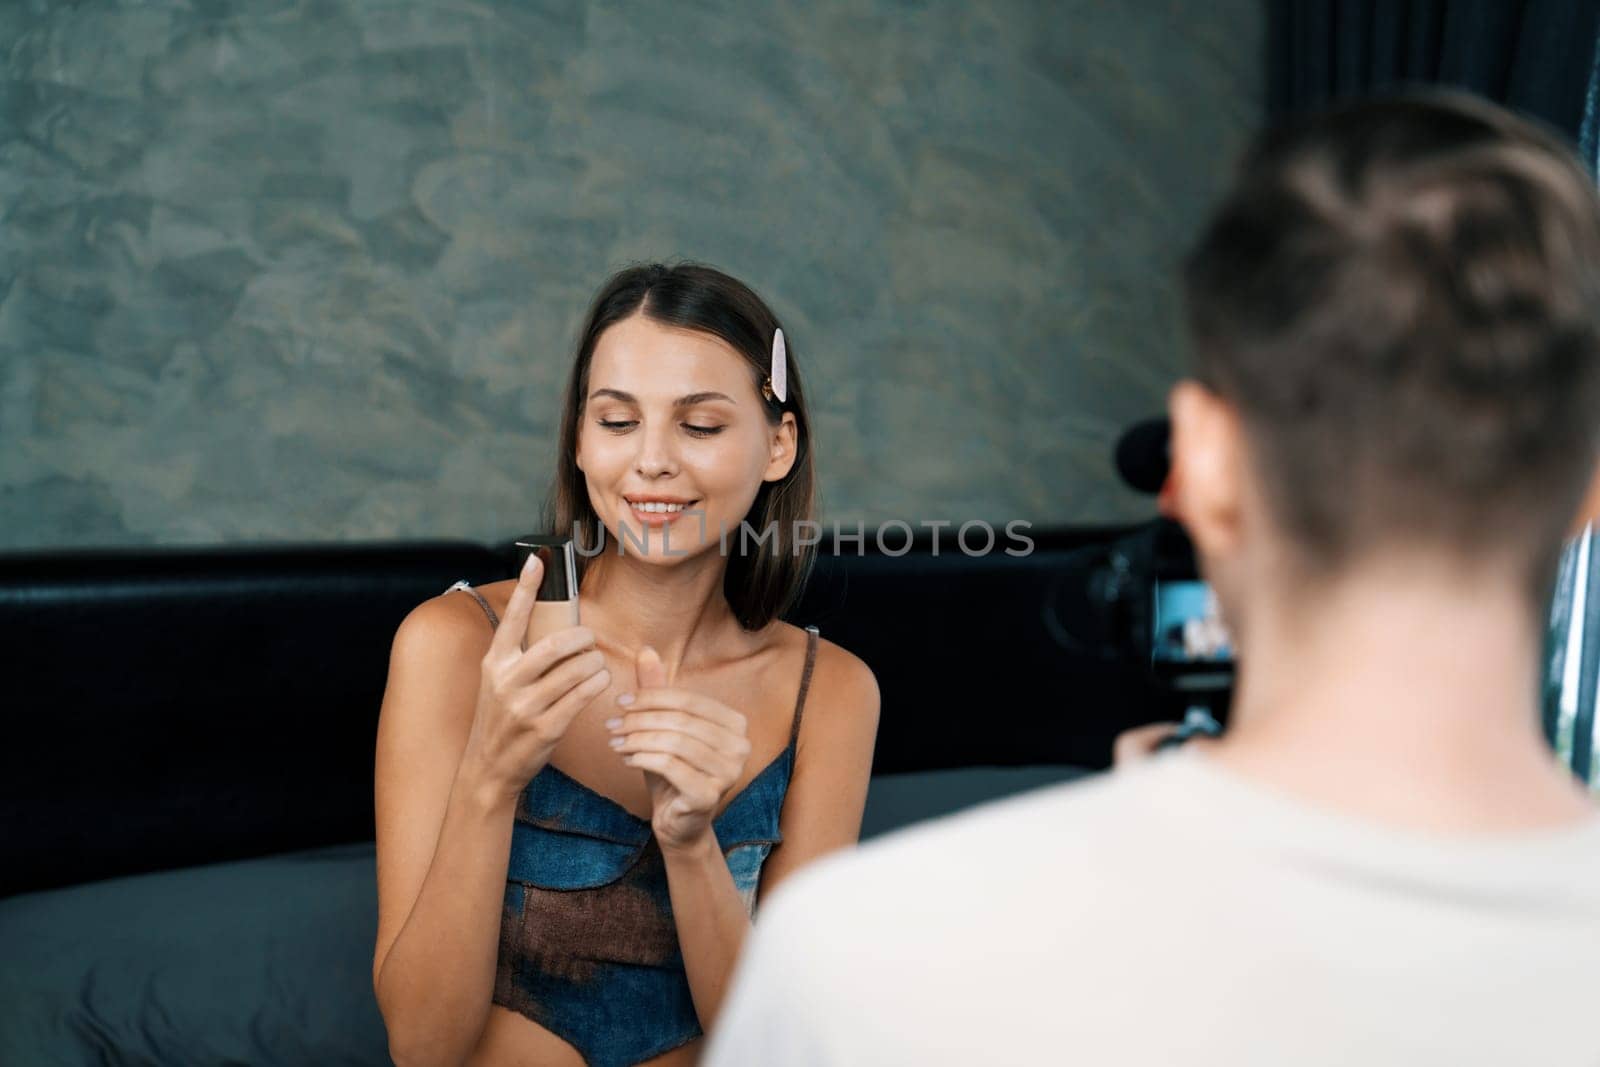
x: 1535, y: 56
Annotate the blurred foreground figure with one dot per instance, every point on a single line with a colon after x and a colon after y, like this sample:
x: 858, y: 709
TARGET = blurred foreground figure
x: 1391, y: 425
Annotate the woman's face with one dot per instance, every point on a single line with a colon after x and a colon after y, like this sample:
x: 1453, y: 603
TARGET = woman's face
x: 674, y: 441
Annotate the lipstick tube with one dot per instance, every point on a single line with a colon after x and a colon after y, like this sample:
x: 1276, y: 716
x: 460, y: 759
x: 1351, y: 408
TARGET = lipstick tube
x: 555, y: 606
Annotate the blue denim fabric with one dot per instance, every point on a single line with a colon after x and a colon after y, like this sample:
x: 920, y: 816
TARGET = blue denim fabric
x: 588, y: 946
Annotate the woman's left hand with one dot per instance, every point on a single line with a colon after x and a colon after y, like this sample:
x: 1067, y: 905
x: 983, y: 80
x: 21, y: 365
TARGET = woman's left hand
x: 691, y: 748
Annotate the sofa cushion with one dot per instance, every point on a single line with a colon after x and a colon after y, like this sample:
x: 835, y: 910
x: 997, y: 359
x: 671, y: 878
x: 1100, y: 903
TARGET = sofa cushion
x: 256, y: 962
x: 897, y: 800
x: 268, y: 961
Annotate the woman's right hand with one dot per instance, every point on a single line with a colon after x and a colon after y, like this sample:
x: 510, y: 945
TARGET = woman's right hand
x: 527, y: 699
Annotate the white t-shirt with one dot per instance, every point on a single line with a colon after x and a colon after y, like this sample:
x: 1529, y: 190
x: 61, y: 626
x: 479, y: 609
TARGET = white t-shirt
x: 1175, y: 913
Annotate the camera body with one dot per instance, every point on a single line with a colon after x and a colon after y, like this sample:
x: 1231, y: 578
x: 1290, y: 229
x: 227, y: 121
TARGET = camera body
x: 1139, y: 599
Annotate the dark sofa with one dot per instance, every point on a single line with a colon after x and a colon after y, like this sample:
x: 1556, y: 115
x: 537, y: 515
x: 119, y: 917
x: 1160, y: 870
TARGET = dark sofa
x: 186, y: 788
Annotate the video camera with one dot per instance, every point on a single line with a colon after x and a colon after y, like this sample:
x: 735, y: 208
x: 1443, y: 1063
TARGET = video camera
x: 1140, y: 599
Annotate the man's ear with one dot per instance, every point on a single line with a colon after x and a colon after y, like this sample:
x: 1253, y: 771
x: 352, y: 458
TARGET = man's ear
x: 783, y: 439
x: 1205, y: 486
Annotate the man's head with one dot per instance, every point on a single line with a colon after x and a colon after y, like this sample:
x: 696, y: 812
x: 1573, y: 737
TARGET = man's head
x: 1395, y: 315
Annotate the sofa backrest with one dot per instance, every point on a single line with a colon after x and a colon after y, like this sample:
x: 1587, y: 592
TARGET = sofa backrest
x: 175, y: 706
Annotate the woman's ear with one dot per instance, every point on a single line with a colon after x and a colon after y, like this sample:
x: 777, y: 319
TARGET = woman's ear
x: 783, y: 438
x: 1207, y: 468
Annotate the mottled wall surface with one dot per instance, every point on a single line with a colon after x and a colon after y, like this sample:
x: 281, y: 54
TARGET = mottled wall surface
x: 280, y: 270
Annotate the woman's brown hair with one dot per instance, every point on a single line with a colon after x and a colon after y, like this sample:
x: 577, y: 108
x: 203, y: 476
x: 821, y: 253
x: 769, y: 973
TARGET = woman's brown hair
x: 762, y: 583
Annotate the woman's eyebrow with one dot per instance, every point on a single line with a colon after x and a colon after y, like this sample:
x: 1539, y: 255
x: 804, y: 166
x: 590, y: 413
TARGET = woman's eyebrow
x: 701, y: 398
x: 681, y: 402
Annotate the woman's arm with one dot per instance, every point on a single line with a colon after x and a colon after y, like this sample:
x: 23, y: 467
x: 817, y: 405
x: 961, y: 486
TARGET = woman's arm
x: 710, y: 917
x: 833, y: 766
x: 443, y: 844
x: 461, y: 734
x: 821, y: 812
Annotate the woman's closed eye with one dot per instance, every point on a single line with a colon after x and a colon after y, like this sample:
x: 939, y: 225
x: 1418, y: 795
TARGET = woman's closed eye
x: 624, y: 425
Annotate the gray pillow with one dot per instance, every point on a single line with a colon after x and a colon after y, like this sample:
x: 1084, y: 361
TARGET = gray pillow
x: 264, y: 961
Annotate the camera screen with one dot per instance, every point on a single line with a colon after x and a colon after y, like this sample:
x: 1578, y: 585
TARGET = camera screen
x: 1187, y: 624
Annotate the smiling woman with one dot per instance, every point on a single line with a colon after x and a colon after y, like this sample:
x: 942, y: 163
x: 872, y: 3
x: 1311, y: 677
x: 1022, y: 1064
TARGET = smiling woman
x: 572, y: 837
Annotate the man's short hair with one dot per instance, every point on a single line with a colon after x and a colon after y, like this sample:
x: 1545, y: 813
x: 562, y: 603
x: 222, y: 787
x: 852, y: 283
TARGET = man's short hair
x: 1402, y: 299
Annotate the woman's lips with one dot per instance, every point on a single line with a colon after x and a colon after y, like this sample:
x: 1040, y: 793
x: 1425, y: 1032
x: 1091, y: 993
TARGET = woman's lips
x: 658, y: 518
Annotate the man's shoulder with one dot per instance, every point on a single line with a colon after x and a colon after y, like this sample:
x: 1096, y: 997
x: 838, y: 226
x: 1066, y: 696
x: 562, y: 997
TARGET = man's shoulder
x: 975, y: 857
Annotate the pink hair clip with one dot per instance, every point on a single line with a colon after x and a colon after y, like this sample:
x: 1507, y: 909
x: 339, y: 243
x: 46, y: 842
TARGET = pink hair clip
x: 777, y: 383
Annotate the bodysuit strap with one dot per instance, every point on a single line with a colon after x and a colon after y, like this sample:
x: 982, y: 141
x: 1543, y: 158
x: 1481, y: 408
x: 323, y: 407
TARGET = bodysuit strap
x: 494, y: 620
x: 805, y: 682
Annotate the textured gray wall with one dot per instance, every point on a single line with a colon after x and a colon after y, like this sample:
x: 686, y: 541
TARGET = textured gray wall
x: 280, y: 270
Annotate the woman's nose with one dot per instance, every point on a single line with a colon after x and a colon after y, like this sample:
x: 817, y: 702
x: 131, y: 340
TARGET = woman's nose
x: 656, y: 456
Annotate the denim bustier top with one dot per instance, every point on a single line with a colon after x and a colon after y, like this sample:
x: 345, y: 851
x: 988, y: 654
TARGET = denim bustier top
x: 588, y: 946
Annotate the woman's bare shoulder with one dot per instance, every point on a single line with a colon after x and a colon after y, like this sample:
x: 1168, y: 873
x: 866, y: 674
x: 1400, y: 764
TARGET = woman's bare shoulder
x: 841, y: 709
x: 434, y: 668
x: 845, y: 675
x: 834, y: 664
x: 445, y: 625
x: 840, y: 679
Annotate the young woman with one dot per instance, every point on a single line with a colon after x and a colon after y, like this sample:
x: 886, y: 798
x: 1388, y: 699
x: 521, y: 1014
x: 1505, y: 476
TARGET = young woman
x: 571, y: 837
